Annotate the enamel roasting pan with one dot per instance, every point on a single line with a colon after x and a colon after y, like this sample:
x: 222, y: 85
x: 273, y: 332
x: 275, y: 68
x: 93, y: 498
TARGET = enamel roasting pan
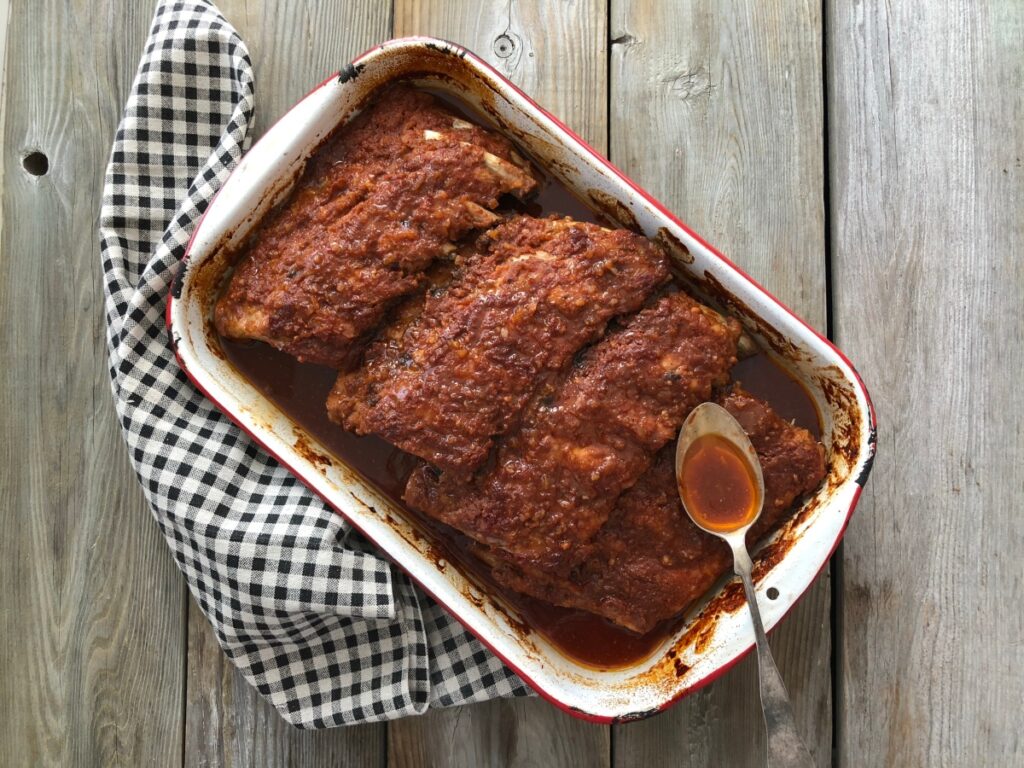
x: 717, y: 633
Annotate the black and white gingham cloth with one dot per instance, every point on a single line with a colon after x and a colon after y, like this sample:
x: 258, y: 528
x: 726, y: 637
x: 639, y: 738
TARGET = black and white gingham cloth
x: 314, y: 618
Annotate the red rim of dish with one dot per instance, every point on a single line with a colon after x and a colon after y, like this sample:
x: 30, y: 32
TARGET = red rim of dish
x: 552, y: 698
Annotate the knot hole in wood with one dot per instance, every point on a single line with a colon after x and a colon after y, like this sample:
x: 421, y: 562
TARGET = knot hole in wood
x: 36, y: 163
x: 504, y: 46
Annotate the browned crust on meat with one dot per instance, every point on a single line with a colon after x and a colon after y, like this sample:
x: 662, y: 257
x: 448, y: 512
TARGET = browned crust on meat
x: 373, y: 210
x: 461, y: 374
x: 650, y: 561
x: 580, y: 445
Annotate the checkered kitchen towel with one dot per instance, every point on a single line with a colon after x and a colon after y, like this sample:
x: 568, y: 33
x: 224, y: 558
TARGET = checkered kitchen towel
x: 322, y: 625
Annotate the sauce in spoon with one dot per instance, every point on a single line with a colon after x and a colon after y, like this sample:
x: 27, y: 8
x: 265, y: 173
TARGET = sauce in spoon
x: 717, y: 485
x: 721, y: 485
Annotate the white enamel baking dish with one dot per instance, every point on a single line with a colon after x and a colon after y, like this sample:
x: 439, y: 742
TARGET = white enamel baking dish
x: 718, y: 633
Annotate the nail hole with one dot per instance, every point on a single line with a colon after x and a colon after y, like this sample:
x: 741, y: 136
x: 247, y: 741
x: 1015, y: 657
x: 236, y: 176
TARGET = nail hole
x: 772, y: 593
x: 503, y: 46
x: 36, y: 163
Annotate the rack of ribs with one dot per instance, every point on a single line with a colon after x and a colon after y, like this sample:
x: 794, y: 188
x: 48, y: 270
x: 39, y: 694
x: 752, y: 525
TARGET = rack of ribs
x: 650, y: 562
x: 530, y: 295
x: 388, y: 195
x: 586, y: 438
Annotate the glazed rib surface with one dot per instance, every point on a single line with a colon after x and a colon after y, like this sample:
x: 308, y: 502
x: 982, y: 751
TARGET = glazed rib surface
x: 388, y: 195
x: 586, y: 438
x: 649, y: 561
x: 528, y: 297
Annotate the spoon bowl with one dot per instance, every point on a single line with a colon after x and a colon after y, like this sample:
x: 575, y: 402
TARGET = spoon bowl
x: 721, y: 485
x: 712, y: 420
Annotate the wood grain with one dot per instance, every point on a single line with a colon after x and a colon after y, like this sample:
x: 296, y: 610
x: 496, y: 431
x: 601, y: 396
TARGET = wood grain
x: 716, y: 108
x: 295, y: 45
x: 292, y: 47
x: 5, y: 15
x: 557, y: 53
x: 926, y: 119
x: 521, y: 732
x: 92, y: 610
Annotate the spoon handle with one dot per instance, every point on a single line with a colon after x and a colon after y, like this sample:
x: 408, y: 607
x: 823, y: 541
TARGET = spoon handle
x: 785, y: 747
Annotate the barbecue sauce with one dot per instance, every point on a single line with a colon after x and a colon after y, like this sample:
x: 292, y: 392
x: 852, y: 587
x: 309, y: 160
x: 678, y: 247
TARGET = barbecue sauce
x: 300, y: 391
x: 767, y: 380
x: 718, y: 485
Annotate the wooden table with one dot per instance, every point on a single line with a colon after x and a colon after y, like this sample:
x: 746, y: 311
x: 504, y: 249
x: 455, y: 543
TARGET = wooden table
x: 862, y: 160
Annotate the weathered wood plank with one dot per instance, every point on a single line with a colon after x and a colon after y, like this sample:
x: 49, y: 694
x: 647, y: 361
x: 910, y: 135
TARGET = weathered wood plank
x: 292, y: 47
x: 926, y: 148
x: 92, y: 609
x: 5, y: 14
x: 717, y: 109
x: 557, y: 53
x: 522, y: 732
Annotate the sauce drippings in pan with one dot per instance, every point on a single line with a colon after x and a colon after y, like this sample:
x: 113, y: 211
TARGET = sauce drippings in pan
x: 763, y: 378
x: 300, y: 391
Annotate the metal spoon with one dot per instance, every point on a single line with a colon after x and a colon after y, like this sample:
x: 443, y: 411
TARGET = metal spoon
x: 785, y: 747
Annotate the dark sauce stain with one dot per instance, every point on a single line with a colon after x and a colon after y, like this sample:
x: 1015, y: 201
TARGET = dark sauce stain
x: 730, y: 303
x: 447, y: 49
x: 680, y: 667
x: 586, y: 638
x: 772, y: 555
x: 300, y: 391
x: 764, y: 378
x: 846, y: 429
x: 308, y: 452
x: 614, y: 209
x: 699, y: 635
x: 673, y: 245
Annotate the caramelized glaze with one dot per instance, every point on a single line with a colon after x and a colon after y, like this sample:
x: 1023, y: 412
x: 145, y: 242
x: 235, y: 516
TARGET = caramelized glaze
x: 300, y: 390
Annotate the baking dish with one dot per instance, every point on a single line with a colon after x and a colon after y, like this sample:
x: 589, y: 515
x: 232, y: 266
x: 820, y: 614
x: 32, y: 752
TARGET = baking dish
x: 717, y: 633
